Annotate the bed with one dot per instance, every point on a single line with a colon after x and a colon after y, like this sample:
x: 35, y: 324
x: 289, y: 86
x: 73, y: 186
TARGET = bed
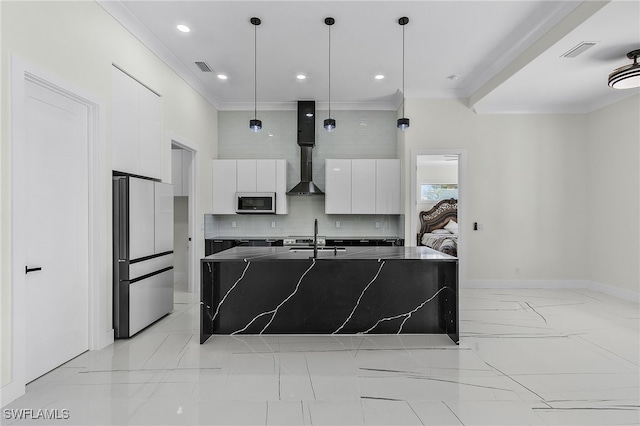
x: 439, y: 227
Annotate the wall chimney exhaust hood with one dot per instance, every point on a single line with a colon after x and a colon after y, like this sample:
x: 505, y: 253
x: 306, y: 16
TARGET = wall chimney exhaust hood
x: 306, y: 141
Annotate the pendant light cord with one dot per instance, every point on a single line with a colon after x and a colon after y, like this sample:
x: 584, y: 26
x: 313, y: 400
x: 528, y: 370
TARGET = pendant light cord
x: 403, y: 71
x: 255, y: 71
x: 329, y: 71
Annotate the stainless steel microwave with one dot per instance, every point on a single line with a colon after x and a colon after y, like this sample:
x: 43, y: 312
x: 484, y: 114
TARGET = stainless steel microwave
x: 255, y: 202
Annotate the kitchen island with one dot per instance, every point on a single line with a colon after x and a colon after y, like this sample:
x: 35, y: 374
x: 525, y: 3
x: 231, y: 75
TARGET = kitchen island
x: 347, y: 290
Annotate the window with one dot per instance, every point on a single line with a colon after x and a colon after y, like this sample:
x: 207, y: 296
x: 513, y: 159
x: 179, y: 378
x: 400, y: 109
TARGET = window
x: 434, y: 192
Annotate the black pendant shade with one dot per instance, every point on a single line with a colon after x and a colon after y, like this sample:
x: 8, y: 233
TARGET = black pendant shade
x: 403, y: 123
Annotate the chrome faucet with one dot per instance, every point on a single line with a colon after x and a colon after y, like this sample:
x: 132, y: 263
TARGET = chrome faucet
x: 315, y: 239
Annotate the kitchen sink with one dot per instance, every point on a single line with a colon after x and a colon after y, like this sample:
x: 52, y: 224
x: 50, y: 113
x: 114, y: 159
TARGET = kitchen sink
x: 320, y: 249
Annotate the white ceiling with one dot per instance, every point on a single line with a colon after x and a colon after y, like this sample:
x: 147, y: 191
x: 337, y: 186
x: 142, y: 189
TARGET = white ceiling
x: 506, y: 54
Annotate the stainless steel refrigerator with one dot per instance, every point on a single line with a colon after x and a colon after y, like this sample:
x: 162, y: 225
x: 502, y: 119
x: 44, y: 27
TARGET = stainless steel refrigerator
x: 142, y: 253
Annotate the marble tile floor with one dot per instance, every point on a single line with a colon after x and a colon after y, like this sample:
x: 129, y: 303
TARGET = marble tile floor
x: 526, y: 357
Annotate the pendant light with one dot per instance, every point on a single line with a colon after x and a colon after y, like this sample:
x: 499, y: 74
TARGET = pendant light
x: 329, y: 123
x: 403, y: 122
x: 255, y: 124
x: 627, y: 77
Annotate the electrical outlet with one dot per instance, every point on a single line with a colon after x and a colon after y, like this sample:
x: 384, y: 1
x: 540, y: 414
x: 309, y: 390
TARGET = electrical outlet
x: 377, y: 225
x: 273, y: 224
x: 337, y: 224
x: 233, y: 223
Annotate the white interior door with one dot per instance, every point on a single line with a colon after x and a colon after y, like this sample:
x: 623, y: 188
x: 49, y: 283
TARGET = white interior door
x: 56, y: 234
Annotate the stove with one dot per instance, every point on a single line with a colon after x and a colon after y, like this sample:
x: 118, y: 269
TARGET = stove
x: 303, y: 241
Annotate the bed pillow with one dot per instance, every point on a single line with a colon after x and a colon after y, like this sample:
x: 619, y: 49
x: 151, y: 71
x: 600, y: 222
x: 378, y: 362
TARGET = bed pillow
x: 452, y: 227
x: 441, y: 231
x: 425, y: 239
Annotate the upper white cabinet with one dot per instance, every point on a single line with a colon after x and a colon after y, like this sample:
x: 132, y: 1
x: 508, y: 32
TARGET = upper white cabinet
x: 337, y: 197
x: 388, y: 187
x: 231, y: 176
x: 246, y: 175
x: 224, y: 186
x: 136, y: 127
x: 266, y: 176
x: 362, y: 186
x: 180, y: 166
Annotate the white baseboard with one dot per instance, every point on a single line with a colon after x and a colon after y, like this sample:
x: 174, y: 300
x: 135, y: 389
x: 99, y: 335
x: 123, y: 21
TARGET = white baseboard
x: 10, y: 392
x: 631, y: 296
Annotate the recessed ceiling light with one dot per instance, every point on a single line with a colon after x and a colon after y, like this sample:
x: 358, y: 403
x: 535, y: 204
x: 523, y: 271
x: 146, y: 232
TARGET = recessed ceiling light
x: 222, y: 76
x: 183, y: 28
x: 379, y: 76
x: 301, y: 76
x: 452, y: 77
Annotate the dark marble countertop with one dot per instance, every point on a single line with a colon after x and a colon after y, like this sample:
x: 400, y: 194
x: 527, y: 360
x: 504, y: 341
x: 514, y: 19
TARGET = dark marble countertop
x: 345, y: 253
x: 328, y: 237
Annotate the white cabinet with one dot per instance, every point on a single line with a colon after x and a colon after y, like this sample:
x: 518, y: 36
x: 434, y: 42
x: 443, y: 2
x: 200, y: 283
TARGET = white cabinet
x: 136, y: 127
x: 337, y: 199
x: 224, y: 186
x: 388, y: 187
x: 125, y: 118
x: 246, y: 176
x: 231, y: 176
x: 266, y: 175
x: 362, y: 186
x: 149, y: 131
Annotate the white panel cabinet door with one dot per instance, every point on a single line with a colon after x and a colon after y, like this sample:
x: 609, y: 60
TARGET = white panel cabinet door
x: 163, y: 217
x: 141, y: 218
x: 150, y: 133
x: 281, y: 187
x: 177, y: 172
x: 266, y: 175
x: 136, y: 127
x: 363, y: 186
x: 124, y: 123
x: 246, y: 176
x: 337, y: 198
x: 388, y: 187
x: 224, y: 187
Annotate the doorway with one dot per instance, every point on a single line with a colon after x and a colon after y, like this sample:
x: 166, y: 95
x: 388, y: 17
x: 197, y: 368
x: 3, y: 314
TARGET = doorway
x: 439, y: 174
x: 183, y: 172
x: 58, y: 294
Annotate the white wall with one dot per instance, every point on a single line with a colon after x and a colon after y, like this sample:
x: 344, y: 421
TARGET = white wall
x: 78, y: 42
x: 525, y: 183
x: 613, y: 195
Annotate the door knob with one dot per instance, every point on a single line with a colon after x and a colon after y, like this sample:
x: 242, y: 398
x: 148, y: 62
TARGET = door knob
x: 27, y: 269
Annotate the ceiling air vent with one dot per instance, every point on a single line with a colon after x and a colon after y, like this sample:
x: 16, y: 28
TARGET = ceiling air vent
x: 204, y: 67
x: 579, y: 49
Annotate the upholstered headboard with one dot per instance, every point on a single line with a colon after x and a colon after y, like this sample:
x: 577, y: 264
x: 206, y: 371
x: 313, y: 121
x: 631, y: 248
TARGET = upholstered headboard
x: 438, y: 216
